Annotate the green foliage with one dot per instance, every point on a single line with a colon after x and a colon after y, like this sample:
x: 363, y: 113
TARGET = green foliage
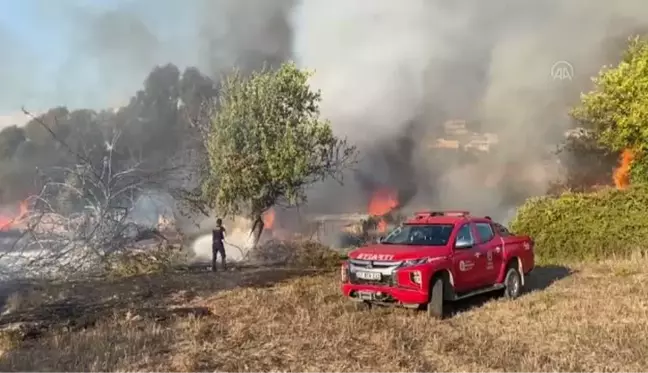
x: 618, y: 107
x: 639, y: 169
x: 586, y: 226
x: 151, y: 129
x: 17, y: 181
x: 617, y: 110
x: 10, y: 139
x: 267, y: 143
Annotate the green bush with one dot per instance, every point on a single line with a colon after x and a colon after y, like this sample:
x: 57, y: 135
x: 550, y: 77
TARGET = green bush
x: 586, y: 226
x: 299, y: 254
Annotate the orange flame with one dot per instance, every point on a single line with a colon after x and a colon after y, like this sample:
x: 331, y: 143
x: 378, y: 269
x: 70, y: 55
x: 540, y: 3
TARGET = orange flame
x: 7, y: 223
x: 268, y: 219
x: 622, y: 173
x: 382, y: 202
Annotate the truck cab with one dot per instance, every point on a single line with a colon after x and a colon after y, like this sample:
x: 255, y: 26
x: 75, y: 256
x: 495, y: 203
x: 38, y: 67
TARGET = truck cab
x: 437, y: 257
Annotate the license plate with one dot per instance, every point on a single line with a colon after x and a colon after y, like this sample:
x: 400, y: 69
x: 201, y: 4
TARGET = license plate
x: 371, y: 276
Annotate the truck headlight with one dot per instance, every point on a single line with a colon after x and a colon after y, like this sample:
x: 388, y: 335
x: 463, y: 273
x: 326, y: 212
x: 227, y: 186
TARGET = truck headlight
x: 413, y: 262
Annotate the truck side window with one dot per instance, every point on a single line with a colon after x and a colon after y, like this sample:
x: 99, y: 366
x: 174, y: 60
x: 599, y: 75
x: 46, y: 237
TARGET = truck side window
x: 465, y: 234
x: 485, y: 232
x: 501, y: 230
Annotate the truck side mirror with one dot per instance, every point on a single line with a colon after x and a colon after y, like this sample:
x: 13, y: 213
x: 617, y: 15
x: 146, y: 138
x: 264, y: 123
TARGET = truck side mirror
x: 463, y: 243
x: 380, y: 239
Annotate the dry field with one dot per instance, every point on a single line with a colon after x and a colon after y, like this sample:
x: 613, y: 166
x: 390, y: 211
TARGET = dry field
x: 587, y: 318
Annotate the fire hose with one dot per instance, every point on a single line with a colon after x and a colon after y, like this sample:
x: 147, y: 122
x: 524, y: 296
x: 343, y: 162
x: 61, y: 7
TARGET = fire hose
x: 241, y: 251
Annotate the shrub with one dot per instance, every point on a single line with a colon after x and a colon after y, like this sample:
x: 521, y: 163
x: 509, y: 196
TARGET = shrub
x: 617, y: 107
x: 586, y: 226
x: 301, y: 254
x: 143, y: 262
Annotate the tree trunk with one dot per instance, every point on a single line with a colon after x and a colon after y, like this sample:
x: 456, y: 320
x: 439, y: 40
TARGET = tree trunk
x: 257, y: 229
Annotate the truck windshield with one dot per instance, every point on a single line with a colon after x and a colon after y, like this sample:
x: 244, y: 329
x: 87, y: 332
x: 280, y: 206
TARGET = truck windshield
x: 420, y: 235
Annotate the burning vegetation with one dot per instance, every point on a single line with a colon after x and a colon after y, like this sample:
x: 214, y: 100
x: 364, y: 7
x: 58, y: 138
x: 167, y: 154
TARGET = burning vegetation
x: 82, y: 219
x: 269, y: 219
x: 382, y: 202
x: 10, y: 222
x: 621, y: 174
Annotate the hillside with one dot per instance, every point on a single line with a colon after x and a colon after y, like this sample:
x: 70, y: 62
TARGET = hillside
x: 585, y: 318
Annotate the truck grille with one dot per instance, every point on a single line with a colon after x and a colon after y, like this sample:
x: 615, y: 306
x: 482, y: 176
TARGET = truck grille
x: 386, y: 270
x: 374, y: 264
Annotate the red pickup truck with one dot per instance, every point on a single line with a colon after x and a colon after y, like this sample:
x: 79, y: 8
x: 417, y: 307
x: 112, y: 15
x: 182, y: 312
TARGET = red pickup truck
x: 435, y: 257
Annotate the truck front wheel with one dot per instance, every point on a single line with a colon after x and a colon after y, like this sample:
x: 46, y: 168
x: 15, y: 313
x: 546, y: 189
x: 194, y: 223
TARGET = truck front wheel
x: 435, y: 304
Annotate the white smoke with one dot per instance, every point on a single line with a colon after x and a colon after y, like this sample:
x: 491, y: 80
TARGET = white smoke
x: 368, y: 60
x: 238, y: 240
x: 382, y: 64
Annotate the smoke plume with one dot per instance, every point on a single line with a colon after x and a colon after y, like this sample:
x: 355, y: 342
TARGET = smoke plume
x: 382, y: 65
x: 96, y: 54
x: 391, y: 73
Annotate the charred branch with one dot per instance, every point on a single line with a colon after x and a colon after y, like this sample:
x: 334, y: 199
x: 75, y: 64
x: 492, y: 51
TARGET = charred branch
x: 82, y: 215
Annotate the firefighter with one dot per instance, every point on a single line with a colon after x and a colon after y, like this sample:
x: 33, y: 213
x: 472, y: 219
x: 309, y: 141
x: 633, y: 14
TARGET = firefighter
x: 218, y: 247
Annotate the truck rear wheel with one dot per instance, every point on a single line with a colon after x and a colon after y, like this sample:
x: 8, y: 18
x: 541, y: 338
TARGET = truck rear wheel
x: 512, y: 283
x: 435, y: 304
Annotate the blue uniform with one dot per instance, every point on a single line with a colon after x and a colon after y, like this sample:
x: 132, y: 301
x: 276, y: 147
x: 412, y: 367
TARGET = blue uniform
x: 218, y: 235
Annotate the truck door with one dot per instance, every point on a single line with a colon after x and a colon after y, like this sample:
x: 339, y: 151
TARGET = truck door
x: 466, y: 260
x: 490, y: 246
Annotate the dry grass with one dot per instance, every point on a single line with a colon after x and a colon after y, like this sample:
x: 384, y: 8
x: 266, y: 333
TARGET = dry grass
x: 594, y: 319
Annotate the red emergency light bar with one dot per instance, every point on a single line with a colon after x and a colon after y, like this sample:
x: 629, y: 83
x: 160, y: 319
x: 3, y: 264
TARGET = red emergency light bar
x: 423, y: 214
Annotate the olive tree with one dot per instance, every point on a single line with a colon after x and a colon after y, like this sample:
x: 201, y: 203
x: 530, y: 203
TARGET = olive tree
x: 617, y: 109
x: 267, y: 143
x: 10, y: 139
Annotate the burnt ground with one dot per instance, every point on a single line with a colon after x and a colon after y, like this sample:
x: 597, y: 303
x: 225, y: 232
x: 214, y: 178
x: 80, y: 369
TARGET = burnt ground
x: 83, y: 302
x: 35, y: 311
x: 585, y: 318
